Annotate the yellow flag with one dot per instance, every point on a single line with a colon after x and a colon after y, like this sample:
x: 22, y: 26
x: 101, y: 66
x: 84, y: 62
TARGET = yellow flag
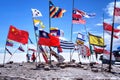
x: 39, y: 22
x: 36, y: 22
x: 96, y: 40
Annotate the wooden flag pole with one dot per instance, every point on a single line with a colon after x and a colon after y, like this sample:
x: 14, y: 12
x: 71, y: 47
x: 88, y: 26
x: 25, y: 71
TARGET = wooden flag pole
x: 112, y: 37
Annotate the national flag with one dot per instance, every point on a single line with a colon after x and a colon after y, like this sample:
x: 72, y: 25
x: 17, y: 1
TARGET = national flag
x: 117, y: 11
x: 56, y: 12
x: 38, y: 22
x: 47, y: 39
x: 9, y: 43
x: 79, y: 12
x: 8, y: 51
x: 78, y: 21
x: 20, y: 48
x: 96, y: 40
x: 108, y: 27
x: 80, y: 37
x: 76, y: 14
x: 67, y: 44
x: 56, y: 32
x: 98, y: 50
x: 77, y: 17
x: 36, y: 13
x: 20, y: 36
x: 84, y: 50
x: 89, y: 15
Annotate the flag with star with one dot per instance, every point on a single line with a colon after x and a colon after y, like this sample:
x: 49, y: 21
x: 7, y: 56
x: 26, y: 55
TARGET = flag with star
x: 17, y: 35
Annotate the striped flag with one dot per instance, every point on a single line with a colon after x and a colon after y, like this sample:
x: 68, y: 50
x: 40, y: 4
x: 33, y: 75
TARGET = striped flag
x: 56, y: 12
x: 9, y: 43
x: 67, y: 44
x: 117, y: 11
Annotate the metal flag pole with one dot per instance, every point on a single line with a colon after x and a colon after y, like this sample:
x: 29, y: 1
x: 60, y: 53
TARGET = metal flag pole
x: 35, y: 38
x: 103, y: 39
x: 49, y: 28
x: 112, y: 37
x: 71, y: 31
x: 5, y: 51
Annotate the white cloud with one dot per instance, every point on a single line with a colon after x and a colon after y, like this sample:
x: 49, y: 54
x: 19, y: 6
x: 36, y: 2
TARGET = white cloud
x: 99, y: 24
x: 109, y: 10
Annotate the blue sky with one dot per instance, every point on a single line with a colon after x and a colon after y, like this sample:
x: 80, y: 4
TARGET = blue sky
x: 18, y: 13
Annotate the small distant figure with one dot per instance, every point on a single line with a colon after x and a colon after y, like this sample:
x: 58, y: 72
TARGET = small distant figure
x: 28, y: 57
x: 33, y: 57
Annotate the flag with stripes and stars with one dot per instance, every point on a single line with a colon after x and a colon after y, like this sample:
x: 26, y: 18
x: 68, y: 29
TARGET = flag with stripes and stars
x: 66, y: 44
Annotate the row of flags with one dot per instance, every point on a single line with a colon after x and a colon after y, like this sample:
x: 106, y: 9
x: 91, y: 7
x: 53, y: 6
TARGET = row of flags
x: 51, y: 39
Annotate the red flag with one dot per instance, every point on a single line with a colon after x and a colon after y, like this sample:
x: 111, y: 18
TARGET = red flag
x: 77, y: 17
x: 87, y: 51
x: 78, y: 21
x: 117, y: 11
x: 108, y: 27
x: 47, y: 39
x: 20, y: 36
x: 98, y: 50
x: 101, y: 50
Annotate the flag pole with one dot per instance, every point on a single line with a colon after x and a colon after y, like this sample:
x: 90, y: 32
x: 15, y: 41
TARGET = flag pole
x: 103, y: 38
x: 112, y: 37
x: 49, y: 29
x: 88, y: 40
x: 35, y: 38
x: 5, y: 51
x: 4, y: 56
x: 71, y: 31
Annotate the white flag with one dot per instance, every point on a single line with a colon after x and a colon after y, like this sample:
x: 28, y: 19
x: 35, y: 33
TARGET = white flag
x: 36, y: 13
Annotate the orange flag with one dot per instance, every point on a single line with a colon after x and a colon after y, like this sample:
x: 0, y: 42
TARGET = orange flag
x: 17, y: 35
